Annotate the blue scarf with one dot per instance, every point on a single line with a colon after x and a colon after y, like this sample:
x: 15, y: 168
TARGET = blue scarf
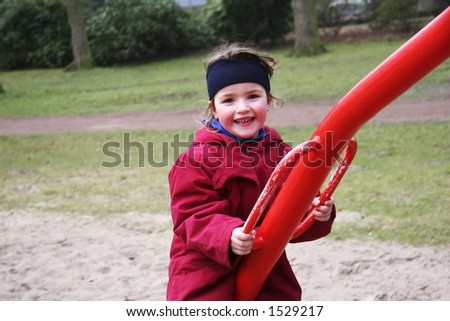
x: 218, y: 126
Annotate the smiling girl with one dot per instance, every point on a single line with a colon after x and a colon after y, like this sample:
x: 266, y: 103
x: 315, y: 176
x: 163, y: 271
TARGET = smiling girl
x: 216, y: 182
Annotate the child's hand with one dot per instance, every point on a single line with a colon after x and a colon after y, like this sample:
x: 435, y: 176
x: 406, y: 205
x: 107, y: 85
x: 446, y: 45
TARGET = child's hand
x: 241, y: 243
x: 322, y: 212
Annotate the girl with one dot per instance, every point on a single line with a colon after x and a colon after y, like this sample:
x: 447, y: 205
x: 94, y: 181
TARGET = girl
x: 216, y: 182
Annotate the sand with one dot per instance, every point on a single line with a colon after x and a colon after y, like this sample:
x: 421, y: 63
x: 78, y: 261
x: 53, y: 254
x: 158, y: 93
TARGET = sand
x: 51, y: 256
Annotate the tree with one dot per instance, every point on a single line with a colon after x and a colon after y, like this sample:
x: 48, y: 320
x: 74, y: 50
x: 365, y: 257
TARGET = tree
x: 80, y: 45
x: 306, y: 31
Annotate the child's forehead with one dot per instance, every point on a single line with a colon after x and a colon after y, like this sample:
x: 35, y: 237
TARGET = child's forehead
x: 241, y: 88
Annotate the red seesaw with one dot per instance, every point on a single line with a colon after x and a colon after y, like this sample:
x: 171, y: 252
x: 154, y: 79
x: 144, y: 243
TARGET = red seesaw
x: 307, y: 166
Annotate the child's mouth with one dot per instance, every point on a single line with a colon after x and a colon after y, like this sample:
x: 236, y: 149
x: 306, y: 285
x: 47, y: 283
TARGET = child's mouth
x: 243, y: 121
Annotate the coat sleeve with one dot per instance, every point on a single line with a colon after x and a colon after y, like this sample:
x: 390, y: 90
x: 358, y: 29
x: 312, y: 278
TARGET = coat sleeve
x: 200, y: 214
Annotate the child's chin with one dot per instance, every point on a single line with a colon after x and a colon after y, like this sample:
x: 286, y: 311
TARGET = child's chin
x: 246, y: 133
x: 246, y: 136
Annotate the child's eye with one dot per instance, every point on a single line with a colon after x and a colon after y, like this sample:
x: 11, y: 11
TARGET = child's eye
x: 227, y: 101
x: 253, y: 96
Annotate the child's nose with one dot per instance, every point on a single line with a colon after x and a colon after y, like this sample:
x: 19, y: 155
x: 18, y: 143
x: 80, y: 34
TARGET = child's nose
x: 242, y: 106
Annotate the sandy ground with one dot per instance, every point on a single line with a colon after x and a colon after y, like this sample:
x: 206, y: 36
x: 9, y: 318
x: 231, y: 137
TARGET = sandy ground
x: 63, y: 257
x: 51, y: 256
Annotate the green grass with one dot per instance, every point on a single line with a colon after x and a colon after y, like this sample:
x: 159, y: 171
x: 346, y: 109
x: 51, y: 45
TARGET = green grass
x: 179, y: 83
x: 64, y: 173
x: 399, y: 179
x: 162, y: 85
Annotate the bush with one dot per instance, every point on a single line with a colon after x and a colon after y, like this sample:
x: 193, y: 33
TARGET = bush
x: 33, y: 34
x: 256, y: 21
x: 198, y: 27
x: 135, y: 30
x: 397, y: 14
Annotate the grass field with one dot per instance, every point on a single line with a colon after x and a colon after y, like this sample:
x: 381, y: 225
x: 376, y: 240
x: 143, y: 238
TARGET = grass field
x: 399, y: 180
x: 179, y: 83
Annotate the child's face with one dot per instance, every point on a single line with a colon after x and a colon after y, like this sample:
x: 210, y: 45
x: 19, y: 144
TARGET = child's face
x: 242, y: 108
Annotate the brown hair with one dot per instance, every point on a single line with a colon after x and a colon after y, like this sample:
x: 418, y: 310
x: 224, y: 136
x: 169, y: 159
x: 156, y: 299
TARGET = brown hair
x: 245, y: 52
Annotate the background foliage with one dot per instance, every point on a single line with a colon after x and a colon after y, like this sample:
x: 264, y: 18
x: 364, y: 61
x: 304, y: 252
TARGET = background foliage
x: 33, y: 34
x: 133, y: 30
x: 254, y: 20
x: 36, y: 33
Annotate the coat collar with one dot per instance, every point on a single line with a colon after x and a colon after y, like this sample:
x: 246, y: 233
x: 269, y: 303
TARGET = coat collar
x: 211, y: 136
x: 216, y: 125
x: 228, y: 158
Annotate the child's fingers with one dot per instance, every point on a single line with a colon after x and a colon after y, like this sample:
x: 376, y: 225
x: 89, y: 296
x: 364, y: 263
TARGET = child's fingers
x: 242, y: 243
x: 322, y: 216
x: 243, y: 236
x: 241, y: 247
x: 316, y: 201
x: 324, y: 208
x: 322, y: 213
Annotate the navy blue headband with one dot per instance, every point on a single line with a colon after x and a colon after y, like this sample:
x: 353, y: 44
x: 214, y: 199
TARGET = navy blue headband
x: 225, y: 72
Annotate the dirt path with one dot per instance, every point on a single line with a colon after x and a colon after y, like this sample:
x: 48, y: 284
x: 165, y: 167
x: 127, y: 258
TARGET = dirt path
x: 290, y: 115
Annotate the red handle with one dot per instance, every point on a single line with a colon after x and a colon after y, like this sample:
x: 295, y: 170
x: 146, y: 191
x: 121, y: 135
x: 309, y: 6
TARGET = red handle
x: 274, y: 181
x: 331, y: 186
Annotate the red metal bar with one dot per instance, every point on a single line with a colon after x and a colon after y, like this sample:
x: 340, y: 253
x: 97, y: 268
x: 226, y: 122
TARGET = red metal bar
x: 274, y: 181
x: 331, y: 186
x: 411, y: 62
x: 271, y: 187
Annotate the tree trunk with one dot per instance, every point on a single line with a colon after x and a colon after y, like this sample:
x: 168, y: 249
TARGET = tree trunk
x: 80, y: 44
x: 307, y: 42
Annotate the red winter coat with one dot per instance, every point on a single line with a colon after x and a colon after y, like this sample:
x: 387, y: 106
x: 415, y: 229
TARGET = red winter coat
x: 213, y: 186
